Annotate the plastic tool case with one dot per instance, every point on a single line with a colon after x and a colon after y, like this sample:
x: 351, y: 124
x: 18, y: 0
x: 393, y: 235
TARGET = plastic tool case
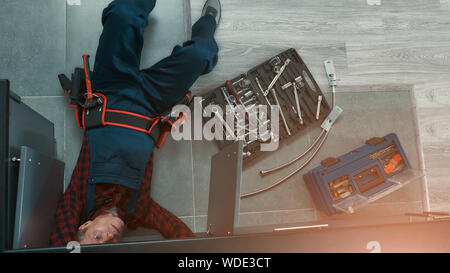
x: 354, y: 179
x: 248, y: 90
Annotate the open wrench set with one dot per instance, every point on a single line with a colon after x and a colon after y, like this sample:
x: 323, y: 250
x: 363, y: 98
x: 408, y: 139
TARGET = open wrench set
x: 283, y: 80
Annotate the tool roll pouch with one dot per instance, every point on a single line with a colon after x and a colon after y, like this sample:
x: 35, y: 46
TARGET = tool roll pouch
x: 93, y: 112
x: 75, y: 87
x: 88, y: 112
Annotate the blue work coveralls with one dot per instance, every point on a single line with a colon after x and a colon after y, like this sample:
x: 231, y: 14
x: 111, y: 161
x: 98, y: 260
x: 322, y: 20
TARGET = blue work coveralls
x: 118, y: 155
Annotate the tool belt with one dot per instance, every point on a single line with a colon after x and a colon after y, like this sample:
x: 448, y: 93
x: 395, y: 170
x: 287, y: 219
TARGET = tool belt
x: 91, y: 111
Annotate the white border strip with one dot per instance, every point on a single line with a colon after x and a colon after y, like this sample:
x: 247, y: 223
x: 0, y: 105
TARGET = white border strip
x: 300, y: 227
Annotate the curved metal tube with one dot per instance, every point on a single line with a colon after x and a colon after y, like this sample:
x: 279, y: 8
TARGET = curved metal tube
x: 296, y: 159
x: 265, y: 172
x: 289, y: 175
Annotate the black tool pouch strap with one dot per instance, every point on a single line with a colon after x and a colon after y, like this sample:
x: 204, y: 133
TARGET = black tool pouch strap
x: 95, y: 114
x: 91, y: 112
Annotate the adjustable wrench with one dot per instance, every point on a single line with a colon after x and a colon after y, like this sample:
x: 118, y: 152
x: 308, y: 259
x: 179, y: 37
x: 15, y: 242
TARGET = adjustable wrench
x: 263, y: 92
x: 277, y: 76
x: 225, y: 95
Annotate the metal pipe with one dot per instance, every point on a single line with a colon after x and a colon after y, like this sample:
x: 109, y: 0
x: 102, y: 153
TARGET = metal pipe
x: 319, y: 101
x: 265, y: 172
x: 289, y: 175
x: 333, y: 89
x: 297, y: 102
x: 281, y: 112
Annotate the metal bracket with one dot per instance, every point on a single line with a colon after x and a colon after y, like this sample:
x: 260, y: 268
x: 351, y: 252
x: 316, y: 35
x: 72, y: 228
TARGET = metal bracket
x: 331, y: 72
x: 335, y: 113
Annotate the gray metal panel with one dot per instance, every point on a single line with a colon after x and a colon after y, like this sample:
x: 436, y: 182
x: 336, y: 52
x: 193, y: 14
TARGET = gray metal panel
x: 31, y: 129
x: 39, y: 189
x: 26, y: 128
x: 224, y: 190
x: 5, y: 227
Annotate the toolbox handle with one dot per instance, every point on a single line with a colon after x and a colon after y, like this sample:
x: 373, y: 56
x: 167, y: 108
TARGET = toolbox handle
x: 330, y: 161
x: 375, y: 141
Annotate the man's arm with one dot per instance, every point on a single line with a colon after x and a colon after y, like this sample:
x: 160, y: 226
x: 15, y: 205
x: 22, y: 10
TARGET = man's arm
x: 150, y: 214
x: 169, y: 225
x: 67, y: 215
x: 70, y: 206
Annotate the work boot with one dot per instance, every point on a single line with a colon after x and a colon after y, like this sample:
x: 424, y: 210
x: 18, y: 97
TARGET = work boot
x: 213, y: 8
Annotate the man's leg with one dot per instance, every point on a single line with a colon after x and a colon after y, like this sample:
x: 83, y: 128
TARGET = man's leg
x: 172, y: 77
x: 119, y: 51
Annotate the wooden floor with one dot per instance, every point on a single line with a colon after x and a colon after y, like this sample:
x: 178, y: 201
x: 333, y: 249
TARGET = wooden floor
x: 395, y: 42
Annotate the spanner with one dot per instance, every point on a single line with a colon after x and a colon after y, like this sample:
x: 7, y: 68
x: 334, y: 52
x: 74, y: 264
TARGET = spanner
x: 215, y: 110
x: 277, y: 76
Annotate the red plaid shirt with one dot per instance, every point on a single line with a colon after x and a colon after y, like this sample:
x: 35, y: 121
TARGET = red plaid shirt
x: 71, y: 209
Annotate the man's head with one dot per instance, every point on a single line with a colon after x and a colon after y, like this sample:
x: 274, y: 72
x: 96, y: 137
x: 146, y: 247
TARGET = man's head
x: 105, y: 228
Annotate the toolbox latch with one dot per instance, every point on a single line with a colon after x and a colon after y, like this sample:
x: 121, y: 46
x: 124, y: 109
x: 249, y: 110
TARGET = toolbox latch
x: 328, y: 162
x: 375, y: 141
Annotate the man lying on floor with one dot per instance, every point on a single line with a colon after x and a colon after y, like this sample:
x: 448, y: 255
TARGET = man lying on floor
x: 110, y: 185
